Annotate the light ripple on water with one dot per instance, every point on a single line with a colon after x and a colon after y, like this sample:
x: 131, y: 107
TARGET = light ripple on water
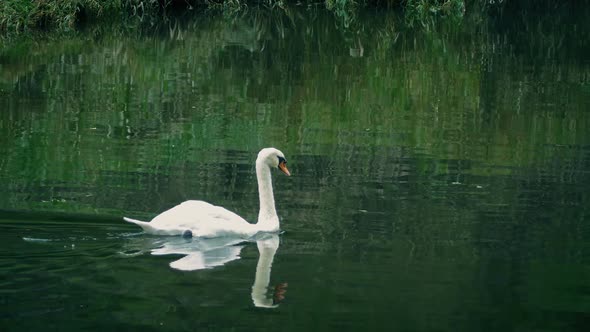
x: 32, y: 239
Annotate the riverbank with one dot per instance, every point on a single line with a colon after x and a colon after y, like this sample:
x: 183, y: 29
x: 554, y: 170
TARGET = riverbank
x: 18, y: 16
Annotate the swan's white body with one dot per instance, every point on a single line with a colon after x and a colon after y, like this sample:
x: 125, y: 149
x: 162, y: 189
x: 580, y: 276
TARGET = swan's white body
x: 201, y: 219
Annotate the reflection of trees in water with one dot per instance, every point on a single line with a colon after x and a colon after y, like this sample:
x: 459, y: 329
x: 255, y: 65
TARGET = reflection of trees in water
x: 176, y: 114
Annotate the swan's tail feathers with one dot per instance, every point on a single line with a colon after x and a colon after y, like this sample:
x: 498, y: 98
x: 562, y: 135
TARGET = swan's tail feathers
x: 144, y: 225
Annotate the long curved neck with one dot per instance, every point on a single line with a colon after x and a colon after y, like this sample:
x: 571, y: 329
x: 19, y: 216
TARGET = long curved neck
x: 267, y: 216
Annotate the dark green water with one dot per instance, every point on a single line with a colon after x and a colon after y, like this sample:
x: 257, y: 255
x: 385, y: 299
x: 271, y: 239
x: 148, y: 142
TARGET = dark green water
x: 440, y: 174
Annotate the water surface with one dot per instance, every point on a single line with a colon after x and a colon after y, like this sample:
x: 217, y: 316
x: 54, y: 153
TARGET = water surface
x: 440, y: 174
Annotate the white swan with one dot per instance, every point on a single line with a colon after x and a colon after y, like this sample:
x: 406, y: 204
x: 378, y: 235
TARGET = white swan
x: 201, y: 219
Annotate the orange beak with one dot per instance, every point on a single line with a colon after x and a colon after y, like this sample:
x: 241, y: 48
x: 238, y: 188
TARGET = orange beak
x: 283, y: 168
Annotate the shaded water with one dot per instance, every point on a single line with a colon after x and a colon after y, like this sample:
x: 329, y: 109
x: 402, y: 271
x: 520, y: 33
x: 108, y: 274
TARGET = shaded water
x: 439, y: 180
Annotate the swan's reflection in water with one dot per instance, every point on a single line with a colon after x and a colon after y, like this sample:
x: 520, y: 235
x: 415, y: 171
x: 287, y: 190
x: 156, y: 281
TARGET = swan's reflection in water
x: 202, y: 254
x: 267, y: 248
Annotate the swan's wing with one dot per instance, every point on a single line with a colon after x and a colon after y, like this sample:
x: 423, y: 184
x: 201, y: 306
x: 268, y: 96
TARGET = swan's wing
x: 202, y: 218
x: 150, y: 229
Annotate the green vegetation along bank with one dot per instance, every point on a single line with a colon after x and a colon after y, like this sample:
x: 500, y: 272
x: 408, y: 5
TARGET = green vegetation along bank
x: 18, y: 16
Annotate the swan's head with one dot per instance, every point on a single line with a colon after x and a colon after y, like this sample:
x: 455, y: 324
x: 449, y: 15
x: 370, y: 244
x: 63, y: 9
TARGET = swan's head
x: 273, y: 158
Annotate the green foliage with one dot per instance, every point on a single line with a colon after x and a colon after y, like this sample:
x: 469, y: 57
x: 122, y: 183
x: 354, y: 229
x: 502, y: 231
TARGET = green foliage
x: 18, y: 16
x: 424, y: 11
x: 15, y: 14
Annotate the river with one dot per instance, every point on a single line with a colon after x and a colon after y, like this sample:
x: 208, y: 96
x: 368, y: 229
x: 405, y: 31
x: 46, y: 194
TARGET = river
x: 440, y: 174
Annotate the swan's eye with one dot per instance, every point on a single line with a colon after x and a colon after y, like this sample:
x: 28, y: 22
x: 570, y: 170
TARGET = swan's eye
x: 282, y: 160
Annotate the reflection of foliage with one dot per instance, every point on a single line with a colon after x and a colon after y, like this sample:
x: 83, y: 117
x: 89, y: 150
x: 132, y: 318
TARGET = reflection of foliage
x: 115, y: 103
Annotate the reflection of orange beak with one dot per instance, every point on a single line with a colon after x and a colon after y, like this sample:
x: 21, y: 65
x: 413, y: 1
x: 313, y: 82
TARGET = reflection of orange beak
x: 283, y: 168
